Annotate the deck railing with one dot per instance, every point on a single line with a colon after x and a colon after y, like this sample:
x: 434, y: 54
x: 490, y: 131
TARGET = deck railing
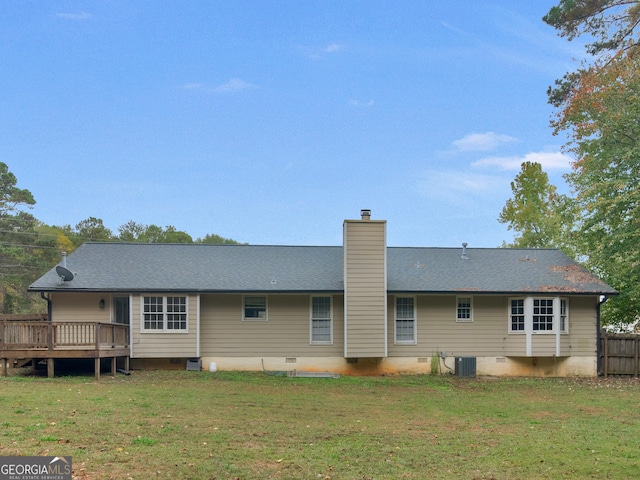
x: 24, y: 335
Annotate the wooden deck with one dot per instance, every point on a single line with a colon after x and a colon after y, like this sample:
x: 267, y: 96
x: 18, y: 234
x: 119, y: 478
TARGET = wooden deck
x: 52, y: 340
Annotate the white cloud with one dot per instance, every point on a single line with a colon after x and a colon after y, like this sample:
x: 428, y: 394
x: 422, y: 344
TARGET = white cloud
x: 361, y: 104
x: 232, y: 86
x: 456, y: 186
x: 548, y: 160
x: 475, y: 142
x: 332, y: 47
x: 75, y: 16
x: 316, y: 52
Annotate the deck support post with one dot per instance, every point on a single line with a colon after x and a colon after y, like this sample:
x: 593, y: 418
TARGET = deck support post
x: 4, y: 367
x: 97, y: 368
x: 50, y: 367
x: 113, y: 366
x: 126, y: 363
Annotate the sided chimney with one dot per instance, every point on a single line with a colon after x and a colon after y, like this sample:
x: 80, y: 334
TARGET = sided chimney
x: 365, y: 287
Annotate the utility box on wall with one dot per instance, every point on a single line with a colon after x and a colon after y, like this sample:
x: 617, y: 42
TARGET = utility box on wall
x: 466, y: 366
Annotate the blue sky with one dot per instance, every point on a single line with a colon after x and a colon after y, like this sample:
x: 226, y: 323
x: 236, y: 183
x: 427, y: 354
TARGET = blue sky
x: 270, y: 122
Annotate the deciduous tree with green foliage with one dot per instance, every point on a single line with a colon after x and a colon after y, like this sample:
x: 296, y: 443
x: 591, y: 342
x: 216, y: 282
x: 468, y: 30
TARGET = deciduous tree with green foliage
x: 602, y: 117
x: 137, y: 232
x: 537, y: 213
x: 217, y: 240
x: 599, y: 109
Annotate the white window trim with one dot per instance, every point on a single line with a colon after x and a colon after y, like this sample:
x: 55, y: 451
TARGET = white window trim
x: 321, y: 342
x: 465, y: 320
x: 528, y: 315
x: 395, y: 321
x: 257, y: 319
x: 164, y: 328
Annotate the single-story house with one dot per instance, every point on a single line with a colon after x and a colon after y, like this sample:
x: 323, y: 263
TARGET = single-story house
x: 359, y: 308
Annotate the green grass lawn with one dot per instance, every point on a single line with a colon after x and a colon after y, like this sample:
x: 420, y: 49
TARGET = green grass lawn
x: 228, y: 425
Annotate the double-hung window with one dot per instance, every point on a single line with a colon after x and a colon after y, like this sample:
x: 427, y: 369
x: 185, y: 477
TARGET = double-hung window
x: 542, y: 314
x: 176, y: 313
x: 564, y: 316
x: 464, y: 309
x: 164, y: 314
x: 516, y: 315
x: 321, y: 320
x: 255, y: 308
x: 538, y: 315
x: 405, y: 320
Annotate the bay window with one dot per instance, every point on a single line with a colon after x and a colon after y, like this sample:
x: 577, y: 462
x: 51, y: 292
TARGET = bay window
x: 538, y: 315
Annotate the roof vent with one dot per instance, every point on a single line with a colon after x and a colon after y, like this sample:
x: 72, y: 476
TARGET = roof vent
x: 365, y: 214
x: 464, y: 251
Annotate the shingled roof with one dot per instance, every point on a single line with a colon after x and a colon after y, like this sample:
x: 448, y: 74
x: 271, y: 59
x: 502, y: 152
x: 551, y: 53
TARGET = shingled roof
x: 138, y: 267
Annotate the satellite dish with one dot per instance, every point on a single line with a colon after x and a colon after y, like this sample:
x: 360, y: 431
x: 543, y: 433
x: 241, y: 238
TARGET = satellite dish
x: 64, y: 273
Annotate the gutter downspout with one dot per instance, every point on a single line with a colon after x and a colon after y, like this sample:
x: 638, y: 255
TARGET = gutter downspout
x: 49, y: 308
x: 598, y: 338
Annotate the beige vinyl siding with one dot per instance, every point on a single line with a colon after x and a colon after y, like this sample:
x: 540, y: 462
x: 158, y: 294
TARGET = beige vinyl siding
x: 79, y: 307
x: 164, y: 345
x: 488, y: 334
x: 365, y: 288
x: 582, y: 326
x: 438, y: 331
x: 543, y: 345
x: 286, y: 333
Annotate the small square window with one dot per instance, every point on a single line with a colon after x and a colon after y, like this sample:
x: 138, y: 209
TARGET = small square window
x: 464, y: 309
x: 255, y: 308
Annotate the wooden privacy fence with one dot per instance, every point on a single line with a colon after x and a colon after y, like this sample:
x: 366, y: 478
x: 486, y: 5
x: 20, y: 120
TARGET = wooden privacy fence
x: 619, y: 354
